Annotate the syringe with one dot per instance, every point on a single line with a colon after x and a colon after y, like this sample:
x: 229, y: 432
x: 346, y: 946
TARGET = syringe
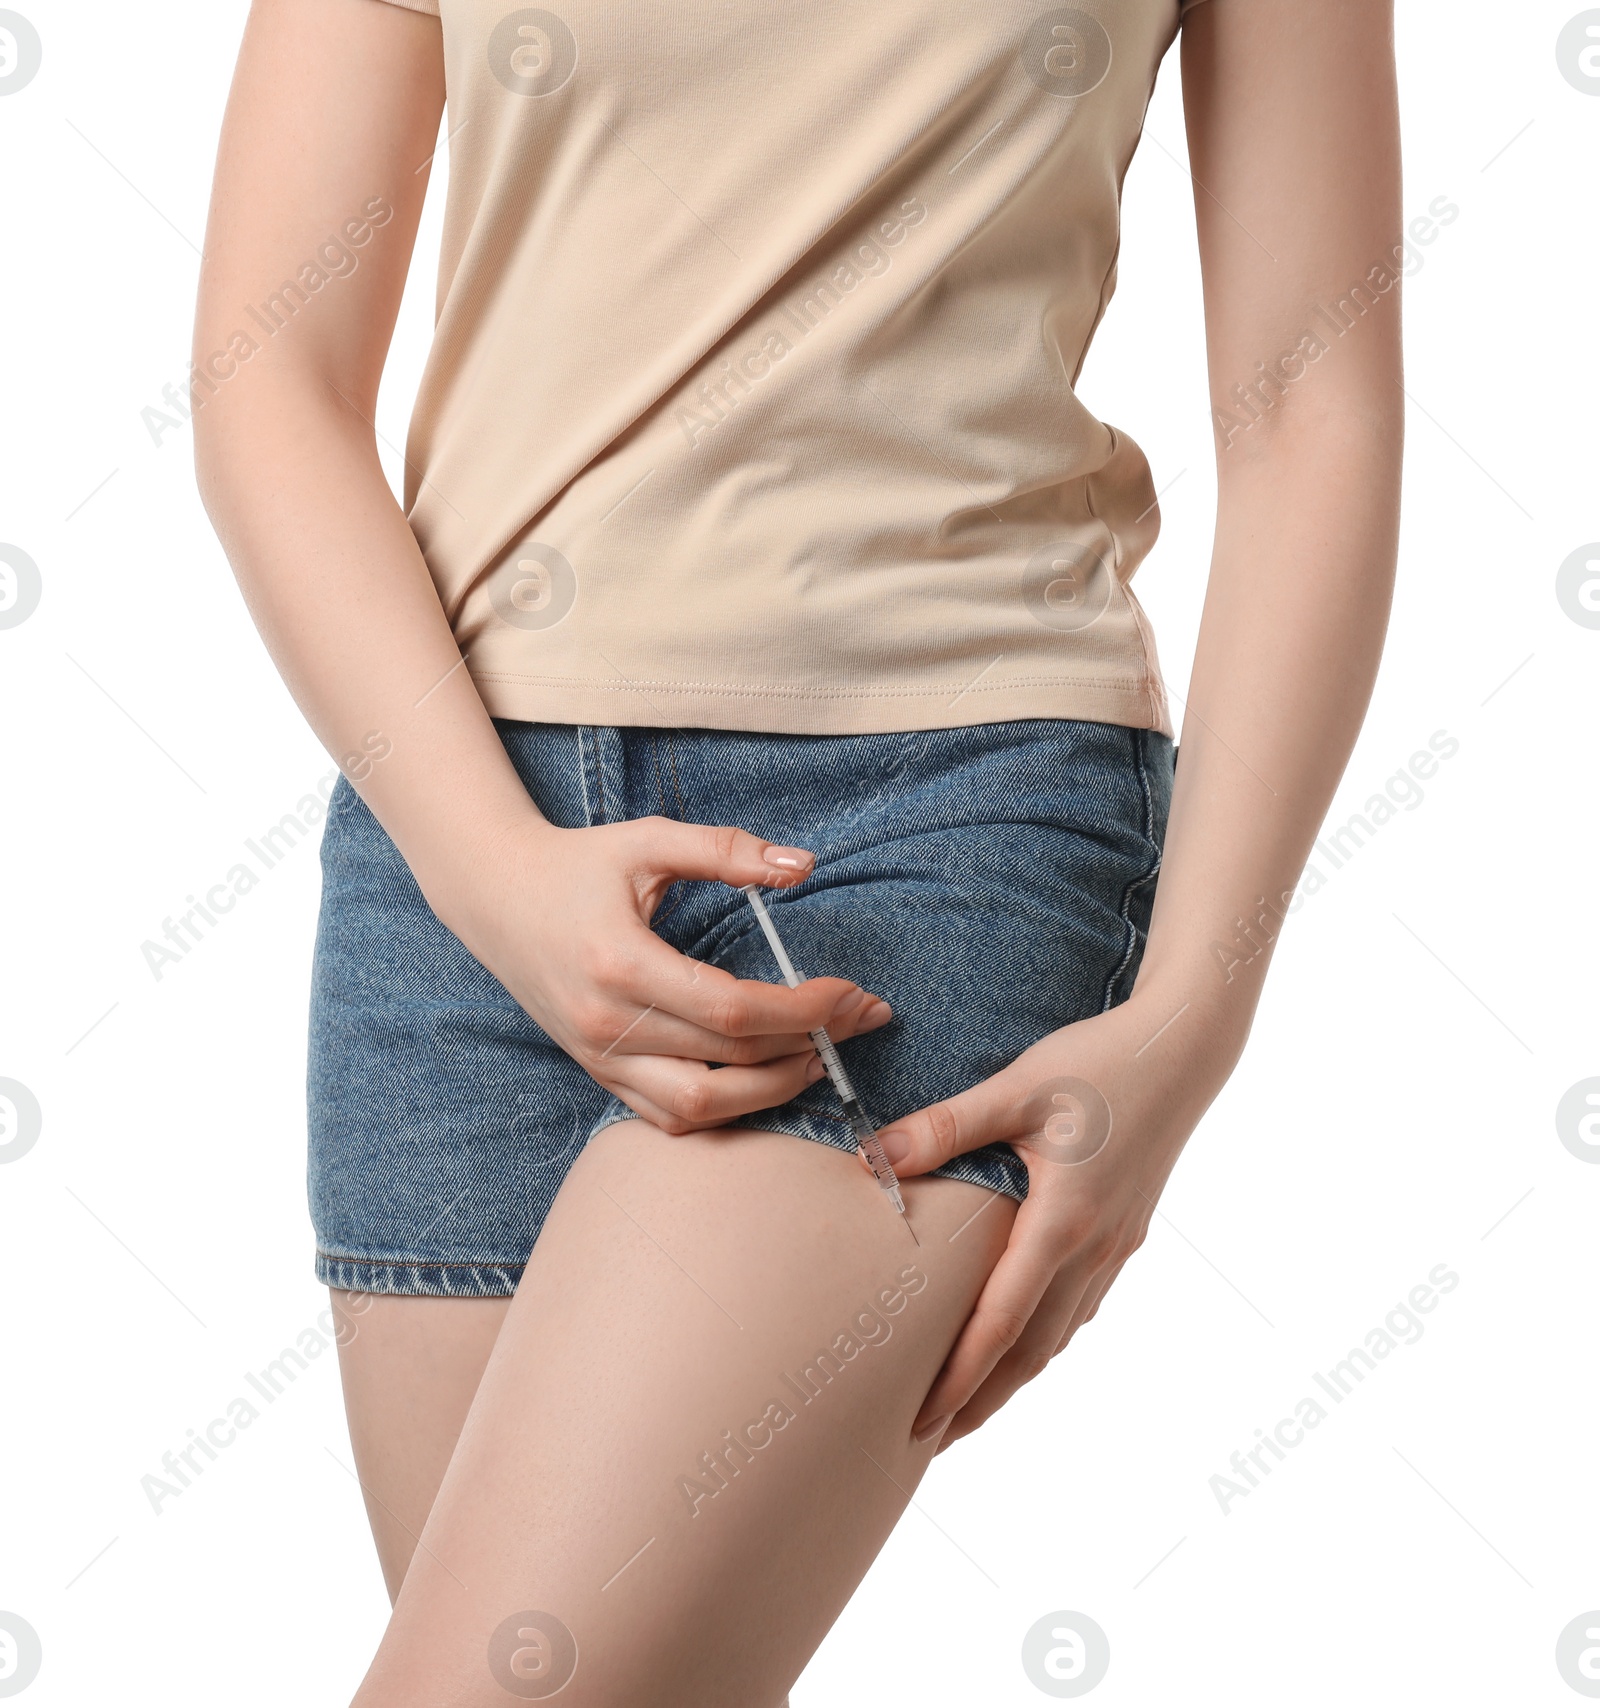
x: 866, y: 1134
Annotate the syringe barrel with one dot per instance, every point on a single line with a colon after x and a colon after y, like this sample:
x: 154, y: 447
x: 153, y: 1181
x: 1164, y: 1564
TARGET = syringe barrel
x: 835, y: 1067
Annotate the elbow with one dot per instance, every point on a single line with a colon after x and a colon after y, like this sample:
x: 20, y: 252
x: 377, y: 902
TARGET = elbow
x: 259, y: 421
x: 1340, y: 387
x: 213, y: 437
x: 1330, y: 421
x: 215, y: 476
x: 209, y: 378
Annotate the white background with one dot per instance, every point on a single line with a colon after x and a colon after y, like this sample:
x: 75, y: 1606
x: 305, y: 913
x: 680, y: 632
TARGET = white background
x: 1427, y: 1010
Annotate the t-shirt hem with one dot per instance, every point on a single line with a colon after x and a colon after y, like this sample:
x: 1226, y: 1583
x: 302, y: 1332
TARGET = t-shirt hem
x: 801, y: 711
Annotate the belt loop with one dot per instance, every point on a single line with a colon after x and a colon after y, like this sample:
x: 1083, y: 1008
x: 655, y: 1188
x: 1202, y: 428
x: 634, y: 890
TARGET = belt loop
x: 591, y: 775
x: 606, y: 774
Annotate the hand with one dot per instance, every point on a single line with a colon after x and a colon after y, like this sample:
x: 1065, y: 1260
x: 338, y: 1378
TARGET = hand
x: 1098, y: 1113
x: 562, y: 919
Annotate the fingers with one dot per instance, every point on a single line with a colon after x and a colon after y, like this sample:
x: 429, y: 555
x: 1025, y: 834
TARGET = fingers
x: 720, y: 853
x: 637, y: 984
x: 920, y: 1142
x: 666, y: 1035
x: 1068, y: 1304
x: 648, y: 972
x: 1090, y: 1302
x: 998, y: 1322
x: 685, y: 1097
x: 660, y: 1033
x: 1047, y: 1332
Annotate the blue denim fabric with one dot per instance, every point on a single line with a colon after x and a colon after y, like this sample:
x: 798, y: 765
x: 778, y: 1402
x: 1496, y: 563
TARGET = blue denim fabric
x: 993, y: 882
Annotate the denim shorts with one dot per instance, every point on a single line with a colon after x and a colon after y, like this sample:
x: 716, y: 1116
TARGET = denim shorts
x: 992, y: 882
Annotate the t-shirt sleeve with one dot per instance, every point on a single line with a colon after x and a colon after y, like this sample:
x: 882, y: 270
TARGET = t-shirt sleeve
x: 431, y: 7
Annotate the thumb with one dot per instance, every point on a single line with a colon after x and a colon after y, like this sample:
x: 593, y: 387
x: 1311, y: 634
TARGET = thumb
x: 922, y: 1141
x: 721, y: 853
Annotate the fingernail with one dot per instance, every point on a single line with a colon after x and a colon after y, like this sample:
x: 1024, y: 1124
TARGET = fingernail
x: 878, y: 1012
x: 931, y: 1428
x: 815, y: 1069
x: 792, y: 859
x: 896, y: 1146
x: 847, y: 1007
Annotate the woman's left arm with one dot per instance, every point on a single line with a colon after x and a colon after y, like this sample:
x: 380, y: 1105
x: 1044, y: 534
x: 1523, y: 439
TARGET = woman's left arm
x: 1293, y: 140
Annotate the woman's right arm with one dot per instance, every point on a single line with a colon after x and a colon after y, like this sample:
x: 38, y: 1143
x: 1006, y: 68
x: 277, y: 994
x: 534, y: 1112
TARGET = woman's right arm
x: 330, y: 126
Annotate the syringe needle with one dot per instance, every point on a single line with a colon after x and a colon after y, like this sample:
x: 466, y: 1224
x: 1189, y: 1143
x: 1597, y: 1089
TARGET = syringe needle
x: 867, y: 1140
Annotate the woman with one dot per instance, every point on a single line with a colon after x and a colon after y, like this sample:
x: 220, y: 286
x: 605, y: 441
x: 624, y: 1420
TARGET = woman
x: 748, y: 480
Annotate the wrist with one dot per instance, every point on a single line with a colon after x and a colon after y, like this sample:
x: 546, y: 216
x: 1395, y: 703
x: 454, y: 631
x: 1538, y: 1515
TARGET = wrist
x: 1195, y: 1012
x: 465, y: 875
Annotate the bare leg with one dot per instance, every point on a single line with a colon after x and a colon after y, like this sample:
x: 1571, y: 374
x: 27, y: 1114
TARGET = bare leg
x: 657, y: 1461
x: 407, y: 1388
x: 410, y: 1367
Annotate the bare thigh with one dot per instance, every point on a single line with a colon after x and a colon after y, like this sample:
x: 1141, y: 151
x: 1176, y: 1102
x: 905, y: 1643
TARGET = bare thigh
x: 410, y: 1367
x: 694, y: 1432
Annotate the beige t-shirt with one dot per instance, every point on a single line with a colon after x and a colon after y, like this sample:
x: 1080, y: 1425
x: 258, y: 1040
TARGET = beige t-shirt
x: 750, y: 403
